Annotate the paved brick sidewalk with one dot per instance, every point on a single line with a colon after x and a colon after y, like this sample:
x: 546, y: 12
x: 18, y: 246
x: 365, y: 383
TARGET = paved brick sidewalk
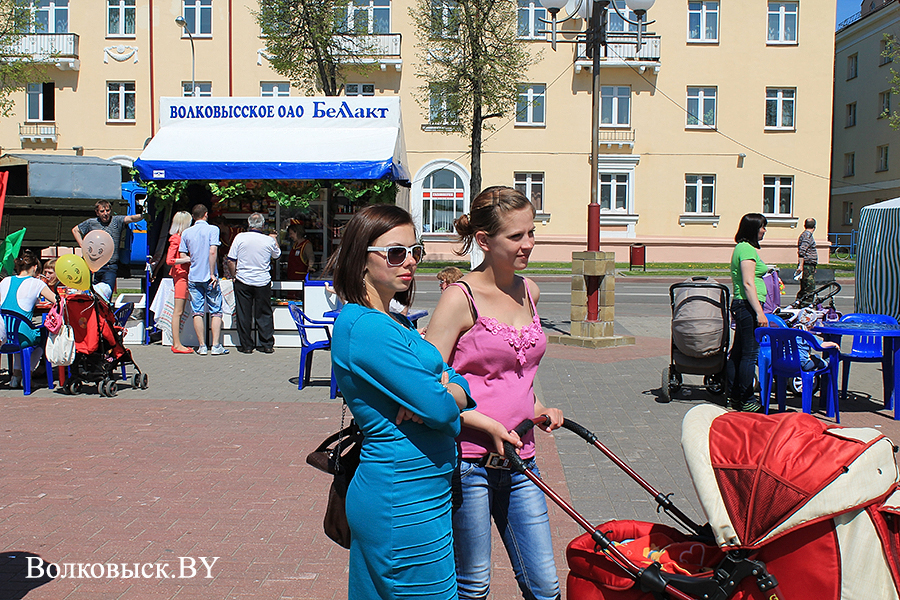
x: 210, y: 462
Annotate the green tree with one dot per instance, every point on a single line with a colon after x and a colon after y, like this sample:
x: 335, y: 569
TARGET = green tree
x: 891, y: 52
x: 16, y: 67
x: 471, y: 61
x: 312, y: 43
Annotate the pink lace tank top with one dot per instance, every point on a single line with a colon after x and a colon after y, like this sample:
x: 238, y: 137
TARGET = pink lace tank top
x: 499, y: 362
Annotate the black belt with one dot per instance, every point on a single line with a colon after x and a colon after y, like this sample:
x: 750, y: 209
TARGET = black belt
x: 494, y: 461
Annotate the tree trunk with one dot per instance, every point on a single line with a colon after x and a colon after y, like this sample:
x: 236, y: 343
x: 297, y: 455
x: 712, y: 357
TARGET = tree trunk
x: 475, y: 163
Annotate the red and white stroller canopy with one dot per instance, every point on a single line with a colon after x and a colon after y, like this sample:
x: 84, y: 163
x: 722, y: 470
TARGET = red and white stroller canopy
x: 760, y: 476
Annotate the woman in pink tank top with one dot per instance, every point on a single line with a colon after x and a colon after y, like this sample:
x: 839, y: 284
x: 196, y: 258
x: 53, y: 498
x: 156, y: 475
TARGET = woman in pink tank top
x: 487, y: 328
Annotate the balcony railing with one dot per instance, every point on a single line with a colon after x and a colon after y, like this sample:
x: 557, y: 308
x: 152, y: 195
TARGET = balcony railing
x: 616, y: 137
x: 58, y: 48
x: 621, y: 50
x: 381, y: 48
x: 38, y: 132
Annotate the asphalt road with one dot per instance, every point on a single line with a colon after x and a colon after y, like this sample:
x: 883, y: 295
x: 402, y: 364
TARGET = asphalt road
x: 634, y: 298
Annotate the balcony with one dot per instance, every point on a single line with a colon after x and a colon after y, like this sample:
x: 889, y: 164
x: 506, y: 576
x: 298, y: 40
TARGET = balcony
x: 616, y: 137
x: 621, y: 51
x: 382, y: 49
x: 38, y: 132
x: 59, y: 49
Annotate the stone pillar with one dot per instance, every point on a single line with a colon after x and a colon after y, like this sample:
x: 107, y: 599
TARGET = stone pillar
x: 597, y: 333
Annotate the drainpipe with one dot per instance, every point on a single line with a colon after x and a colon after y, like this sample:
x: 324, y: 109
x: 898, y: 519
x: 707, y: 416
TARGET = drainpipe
x: 230, y: 50
x: 152, y: 87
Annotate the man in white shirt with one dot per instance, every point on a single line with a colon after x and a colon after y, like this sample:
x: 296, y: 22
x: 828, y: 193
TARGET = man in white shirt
x: 200, y: 242
x: 249, y: 260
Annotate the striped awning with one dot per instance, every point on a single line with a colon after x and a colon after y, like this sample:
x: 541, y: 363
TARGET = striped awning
x: 878, y: 259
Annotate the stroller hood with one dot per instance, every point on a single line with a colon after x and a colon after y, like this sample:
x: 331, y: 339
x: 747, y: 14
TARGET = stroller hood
x: 761, y: 476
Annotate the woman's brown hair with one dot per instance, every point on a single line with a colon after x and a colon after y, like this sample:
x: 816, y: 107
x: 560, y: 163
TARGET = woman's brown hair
x: 348, y: 264
x: 25, y: 261
x: 486, y: 214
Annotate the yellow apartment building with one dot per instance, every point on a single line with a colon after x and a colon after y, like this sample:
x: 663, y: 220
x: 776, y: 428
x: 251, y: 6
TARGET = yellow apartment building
x: 863, y: 170
x: 725, y: 110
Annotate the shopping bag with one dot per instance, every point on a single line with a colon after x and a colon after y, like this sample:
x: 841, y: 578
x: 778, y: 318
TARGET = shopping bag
x: 60, y: 347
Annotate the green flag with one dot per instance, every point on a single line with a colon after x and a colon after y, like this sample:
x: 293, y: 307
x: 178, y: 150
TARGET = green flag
x: 11, y: 246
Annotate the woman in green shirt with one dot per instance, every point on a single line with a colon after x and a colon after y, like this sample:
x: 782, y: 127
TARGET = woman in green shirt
x: 747, y: 270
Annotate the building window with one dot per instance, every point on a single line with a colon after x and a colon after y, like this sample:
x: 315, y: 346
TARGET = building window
x: 359, y: 89
x: 847, y: 218
x: 780, y: 108
x: 50, y: 16
x: 442, y: 110
x: 778, y: 195
x: 850, y: 164
x: 616, y: 24
x: 367, y: 16
x: 532, y: 186
x: 120, y: 105
x: 615, y: 105
x: 885, y: 54
x: 614, y: 191
x: 851, y: 114
x: 270, y: 89
x: 782, y: 27
x: 444, y: 18
x: 201, y: 88
x: 530, y: 15
x: 852, y: 66
x: 120, y: 18
x: 699, y: 194
x: 882, y: 159
x: 443, y: 197
x: 40, y: 104
x: 701, y: 105
x: 530, y: 106
x: 198, y: 16
x: 703, y: 21
x: 884, y: 102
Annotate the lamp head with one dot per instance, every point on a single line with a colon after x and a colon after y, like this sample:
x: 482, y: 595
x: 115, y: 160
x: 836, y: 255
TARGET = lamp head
x: 640, y: 7
x: 554, y: 6
x: 179, y: 20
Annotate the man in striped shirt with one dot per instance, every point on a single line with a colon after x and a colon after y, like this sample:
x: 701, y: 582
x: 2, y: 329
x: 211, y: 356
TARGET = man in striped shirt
x: 808, y: 259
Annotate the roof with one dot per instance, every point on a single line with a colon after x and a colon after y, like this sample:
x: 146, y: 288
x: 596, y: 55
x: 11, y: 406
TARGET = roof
x: 276, y: 138
x: 8, y: 160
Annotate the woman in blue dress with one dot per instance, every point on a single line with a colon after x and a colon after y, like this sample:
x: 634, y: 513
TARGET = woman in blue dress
x: 406, y: 401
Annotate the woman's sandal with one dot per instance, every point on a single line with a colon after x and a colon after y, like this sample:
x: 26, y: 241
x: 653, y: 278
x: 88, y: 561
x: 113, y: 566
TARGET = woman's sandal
x: 182, y: 350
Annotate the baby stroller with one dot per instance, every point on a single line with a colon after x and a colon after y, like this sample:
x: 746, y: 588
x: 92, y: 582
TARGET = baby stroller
x: 700, y: 335
x: 99, y: 348
x: 798, y: 509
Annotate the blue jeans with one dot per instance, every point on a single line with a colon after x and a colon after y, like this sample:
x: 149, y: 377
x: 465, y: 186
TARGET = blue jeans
x: 519, y: 510
x: 107, y: 274
x: 741, y: 366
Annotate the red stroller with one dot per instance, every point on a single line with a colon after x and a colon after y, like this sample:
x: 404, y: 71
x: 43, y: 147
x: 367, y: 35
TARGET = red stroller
x: 797, y: 509
x: 99, y: 347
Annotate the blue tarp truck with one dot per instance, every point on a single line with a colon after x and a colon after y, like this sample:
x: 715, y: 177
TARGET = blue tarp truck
x: 49, y: 194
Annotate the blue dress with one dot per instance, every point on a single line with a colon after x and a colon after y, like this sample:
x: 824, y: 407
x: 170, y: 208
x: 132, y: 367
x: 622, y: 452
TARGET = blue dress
x: 398, y: 503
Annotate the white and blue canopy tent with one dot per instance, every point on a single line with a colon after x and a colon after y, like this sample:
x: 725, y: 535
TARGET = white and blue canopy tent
x: 878, y: 259
x: 280, y: 138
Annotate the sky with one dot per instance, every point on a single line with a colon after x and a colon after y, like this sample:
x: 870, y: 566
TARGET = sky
x: 846, y: 8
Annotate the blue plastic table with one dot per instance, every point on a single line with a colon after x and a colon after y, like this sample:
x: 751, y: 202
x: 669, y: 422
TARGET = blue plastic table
x: 890, y: 335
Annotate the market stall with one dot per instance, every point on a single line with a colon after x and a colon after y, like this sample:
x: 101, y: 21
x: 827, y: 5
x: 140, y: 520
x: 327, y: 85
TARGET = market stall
x: 279, y: 139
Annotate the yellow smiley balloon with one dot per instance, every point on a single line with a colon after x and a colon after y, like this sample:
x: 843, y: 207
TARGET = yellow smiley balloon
x: 73, y: 272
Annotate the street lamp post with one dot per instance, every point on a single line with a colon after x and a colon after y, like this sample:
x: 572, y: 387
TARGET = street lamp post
x: 595, y: 13
x: 179, y: 20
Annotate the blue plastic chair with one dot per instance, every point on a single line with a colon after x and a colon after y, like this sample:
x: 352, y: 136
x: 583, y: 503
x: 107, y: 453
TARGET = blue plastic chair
x: 866, y: 348
x: 764, y: 363
x: 786, y: 366
x: 14, y: 324
x: 307, y: 348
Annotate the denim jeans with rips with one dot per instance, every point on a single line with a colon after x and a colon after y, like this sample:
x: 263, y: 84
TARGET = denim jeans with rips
x: 519, y: 510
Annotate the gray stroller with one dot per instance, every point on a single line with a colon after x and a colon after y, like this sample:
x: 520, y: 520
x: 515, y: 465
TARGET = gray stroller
x: 701, y: 332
